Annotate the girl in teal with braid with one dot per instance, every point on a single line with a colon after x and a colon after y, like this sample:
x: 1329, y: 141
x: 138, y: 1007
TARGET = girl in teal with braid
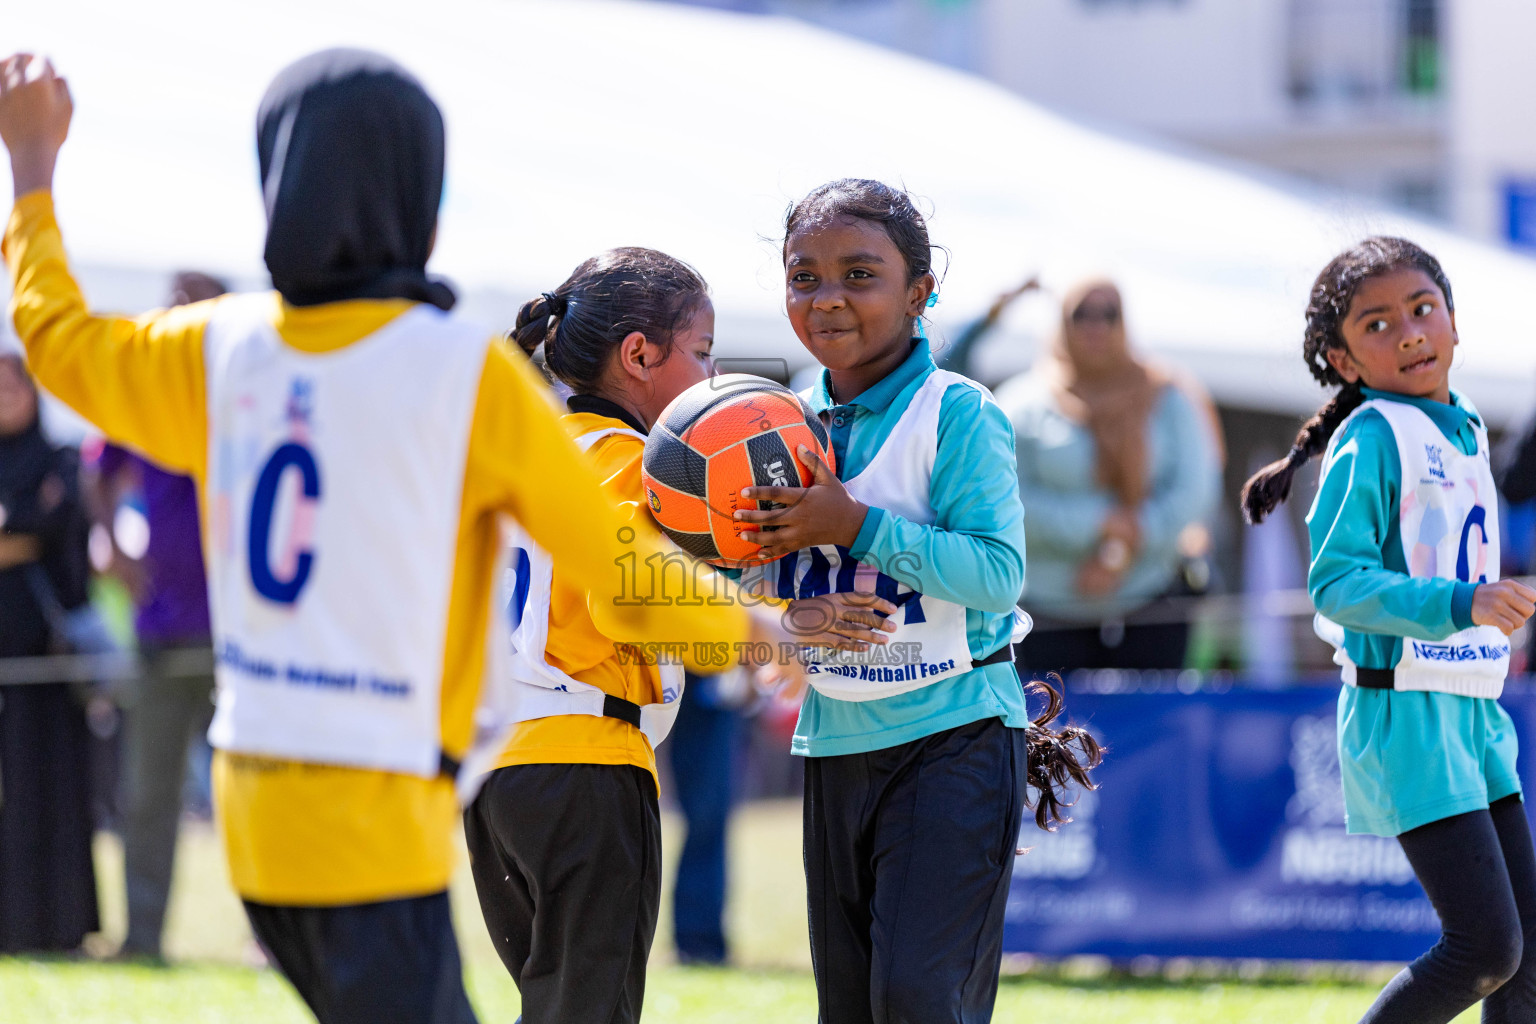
x: 1405, y: 577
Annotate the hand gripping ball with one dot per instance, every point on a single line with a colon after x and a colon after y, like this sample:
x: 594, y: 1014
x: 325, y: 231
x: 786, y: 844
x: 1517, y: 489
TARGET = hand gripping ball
x: 729, y: 432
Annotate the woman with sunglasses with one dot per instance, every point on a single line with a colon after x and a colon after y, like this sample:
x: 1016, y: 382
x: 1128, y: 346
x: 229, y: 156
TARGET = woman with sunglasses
x: 1119, y: 470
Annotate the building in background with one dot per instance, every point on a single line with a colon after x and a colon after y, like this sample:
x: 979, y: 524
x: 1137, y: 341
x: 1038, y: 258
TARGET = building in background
x: 1424, y: 105
x: 1349, y: 93
x: 1492, y: 127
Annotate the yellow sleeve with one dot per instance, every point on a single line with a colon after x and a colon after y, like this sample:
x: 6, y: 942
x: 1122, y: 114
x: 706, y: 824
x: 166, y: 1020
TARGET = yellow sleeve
x: 521, y: 462
x: 618, y: 462
x: 140, y: 381
x: 618, y: 458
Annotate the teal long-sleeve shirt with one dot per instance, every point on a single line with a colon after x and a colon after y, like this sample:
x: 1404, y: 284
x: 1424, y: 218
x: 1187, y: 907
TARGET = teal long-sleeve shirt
x: 1359, y: 577
x: 972, y: 555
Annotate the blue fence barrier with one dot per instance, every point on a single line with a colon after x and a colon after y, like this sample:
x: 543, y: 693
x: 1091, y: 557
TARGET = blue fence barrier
x: 1218, y: 830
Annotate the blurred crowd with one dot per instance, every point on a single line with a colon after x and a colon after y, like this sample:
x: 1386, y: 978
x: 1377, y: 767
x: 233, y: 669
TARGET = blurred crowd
x: 95, y: 748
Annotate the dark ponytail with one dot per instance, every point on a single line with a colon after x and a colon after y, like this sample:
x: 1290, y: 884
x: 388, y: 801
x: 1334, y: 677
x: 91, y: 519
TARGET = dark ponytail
x: 1056, y: 757
x: 604, y: 300
x: 535, y: 320
x: 1332, y: 293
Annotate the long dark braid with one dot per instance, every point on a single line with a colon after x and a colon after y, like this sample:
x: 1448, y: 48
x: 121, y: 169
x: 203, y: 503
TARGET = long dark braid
x: 1057, y: 757
x: 1271, y: 485
x: 1332, y: 293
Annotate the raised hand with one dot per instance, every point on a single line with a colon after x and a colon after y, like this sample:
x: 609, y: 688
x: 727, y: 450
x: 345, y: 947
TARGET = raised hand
x: 35, y: 110
x: 823, y: 513
x: 1003, y: 301
x: 1504, y: 605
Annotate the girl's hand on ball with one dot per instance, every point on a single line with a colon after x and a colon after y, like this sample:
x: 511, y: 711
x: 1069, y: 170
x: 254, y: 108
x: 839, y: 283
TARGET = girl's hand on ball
x: 35, y: 109
x: 848, y: 622
x: 1504, y: 605
x: 823, y: 513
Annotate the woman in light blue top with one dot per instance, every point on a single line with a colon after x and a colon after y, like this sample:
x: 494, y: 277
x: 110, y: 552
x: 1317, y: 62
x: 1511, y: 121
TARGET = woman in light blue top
x: 1405, y: 576
x: 1119, y: 470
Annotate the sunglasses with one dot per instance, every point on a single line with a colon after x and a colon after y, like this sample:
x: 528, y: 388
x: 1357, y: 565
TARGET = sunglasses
x: 1107, y: 315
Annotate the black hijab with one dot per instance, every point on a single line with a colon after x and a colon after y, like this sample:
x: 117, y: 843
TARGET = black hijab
x: 351, y: 152
x: 25, y: 457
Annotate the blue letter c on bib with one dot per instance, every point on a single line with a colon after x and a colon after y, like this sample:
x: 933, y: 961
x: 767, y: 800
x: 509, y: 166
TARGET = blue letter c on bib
x: 263, y: 504
x: 1477, y: 518
x: 522, y: 568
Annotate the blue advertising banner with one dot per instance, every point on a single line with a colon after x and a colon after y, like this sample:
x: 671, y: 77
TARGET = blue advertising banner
x: 1218, y: 830
x: 1520, y: 212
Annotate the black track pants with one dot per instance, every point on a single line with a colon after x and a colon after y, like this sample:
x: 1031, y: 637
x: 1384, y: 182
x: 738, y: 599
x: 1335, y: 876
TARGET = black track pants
x: 908, y: 856
x: 567, y: 862
x: 1479, y: 871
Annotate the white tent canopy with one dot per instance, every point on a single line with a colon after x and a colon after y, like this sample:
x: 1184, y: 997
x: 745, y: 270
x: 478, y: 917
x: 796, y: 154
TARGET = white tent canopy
x: 577, y: 125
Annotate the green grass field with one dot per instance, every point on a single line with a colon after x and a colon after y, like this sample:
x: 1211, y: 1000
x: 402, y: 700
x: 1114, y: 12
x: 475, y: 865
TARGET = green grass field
x: 212, y: 981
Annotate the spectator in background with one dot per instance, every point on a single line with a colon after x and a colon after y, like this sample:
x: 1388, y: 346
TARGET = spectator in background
x: 1514, y: 471
x: 1514, y: 466
x: 1119, y: 471
x: 47, y: 881
x: 169, y: 706
x: 703, y: 747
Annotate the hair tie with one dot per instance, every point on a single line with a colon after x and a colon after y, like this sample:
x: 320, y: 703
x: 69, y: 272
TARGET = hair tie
x: 1298, y: 455
x: 555, y: 304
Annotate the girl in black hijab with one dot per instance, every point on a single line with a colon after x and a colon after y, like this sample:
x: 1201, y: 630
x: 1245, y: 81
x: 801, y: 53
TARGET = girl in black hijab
x: 47, y: 882
x: 351, y: 151
x: 337, y: 815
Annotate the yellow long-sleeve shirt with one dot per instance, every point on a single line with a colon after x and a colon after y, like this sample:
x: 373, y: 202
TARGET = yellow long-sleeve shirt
x: 578, y: 648
x: 308, y: 834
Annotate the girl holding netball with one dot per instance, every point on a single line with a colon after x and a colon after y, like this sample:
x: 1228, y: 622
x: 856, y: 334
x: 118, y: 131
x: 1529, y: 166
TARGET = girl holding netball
x: 565, y: 833
x: 1405, y: 576
x: 917, y: 767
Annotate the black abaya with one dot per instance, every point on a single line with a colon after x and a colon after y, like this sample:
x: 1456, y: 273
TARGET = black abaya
x: 47, y: 880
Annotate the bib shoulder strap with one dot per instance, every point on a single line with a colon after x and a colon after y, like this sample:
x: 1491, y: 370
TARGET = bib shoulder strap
x: 944, y: 379
x: 242, y: 309
x: 1360, y: 410
x: 1399, y: 415
x: 1371, y: 404
x: 591, y: 437
x: 1412, y: 426
x: 239, y: 318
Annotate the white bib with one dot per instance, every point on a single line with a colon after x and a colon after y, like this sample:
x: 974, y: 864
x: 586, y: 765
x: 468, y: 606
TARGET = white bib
x: 1449, y: 523
x: 333, y: 498
x: 930, y: 643
x: 523, y: 685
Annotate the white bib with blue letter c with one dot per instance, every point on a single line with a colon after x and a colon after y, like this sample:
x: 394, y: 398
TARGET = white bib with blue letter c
x: 1448, y: 517
x: 332, y: 503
